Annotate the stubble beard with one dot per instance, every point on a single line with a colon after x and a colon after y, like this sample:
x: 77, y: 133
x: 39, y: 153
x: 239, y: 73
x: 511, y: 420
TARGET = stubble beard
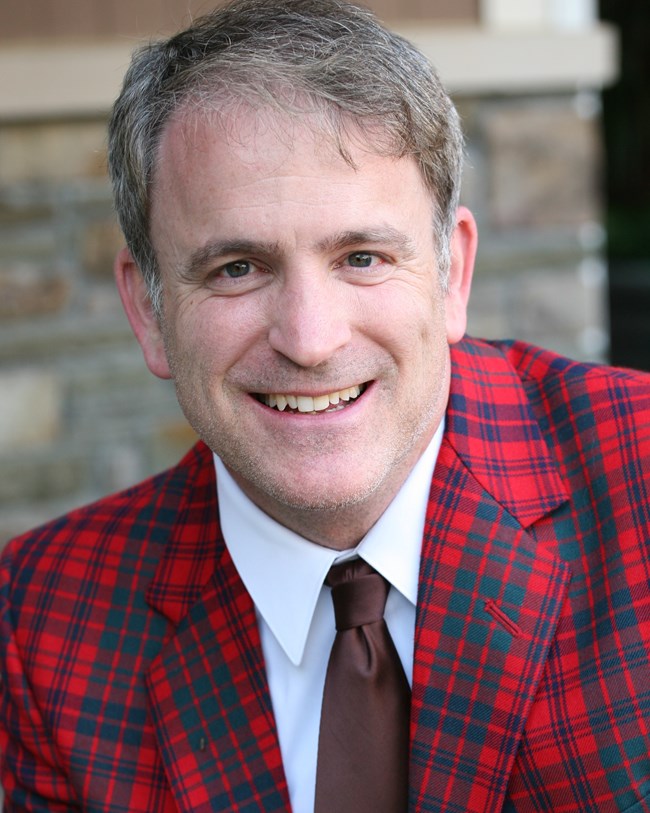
x: 337, y: 519
x: 316, y: 515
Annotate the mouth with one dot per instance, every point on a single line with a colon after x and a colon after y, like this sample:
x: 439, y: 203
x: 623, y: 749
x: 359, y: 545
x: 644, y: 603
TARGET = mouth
x: 308, y: 404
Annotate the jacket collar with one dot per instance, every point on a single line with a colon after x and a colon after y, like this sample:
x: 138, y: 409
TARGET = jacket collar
x: 187, y: 513
x: 492, y: 427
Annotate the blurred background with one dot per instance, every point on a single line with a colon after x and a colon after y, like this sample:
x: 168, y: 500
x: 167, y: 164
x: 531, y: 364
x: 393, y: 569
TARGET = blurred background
x: 554, y: 100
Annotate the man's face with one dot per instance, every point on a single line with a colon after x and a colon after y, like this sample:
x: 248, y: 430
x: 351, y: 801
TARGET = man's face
x: 304, y: 323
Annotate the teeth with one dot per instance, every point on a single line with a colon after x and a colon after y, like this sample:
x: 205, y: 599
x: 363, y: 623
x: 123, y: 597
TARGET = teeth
x: 307, y: 403
x: 321, y: 402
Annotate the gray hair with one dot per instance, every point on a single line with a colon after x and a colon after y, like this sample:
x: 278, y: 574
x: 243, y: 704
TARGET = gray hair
x: 334, y: 57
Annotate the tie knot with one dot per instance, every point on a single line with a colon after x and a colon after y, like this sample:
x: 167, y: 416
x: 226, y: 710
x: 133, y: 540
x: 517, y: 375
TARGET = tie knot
x: 359, y: 594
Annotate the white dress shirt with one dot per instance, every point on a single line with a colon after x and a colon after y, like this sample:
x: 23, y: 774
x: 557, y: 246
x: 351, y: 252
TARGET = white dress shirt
x: 284, y: 574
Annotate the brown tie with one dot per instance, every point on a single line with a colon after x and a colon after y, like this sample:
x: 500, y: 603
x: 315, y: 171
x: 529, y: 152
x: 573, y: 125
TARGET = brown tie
x: 363, y: 747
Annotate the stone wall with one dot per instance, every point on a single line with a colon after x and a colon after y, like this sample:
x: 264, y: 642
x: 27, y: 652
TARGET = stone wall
x: 533, y: 180
x: 80, y: 416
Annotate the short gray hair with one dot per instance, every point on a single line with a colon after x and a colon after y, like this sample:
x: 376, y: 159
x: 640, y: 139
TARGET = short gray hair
x: 334, y: 56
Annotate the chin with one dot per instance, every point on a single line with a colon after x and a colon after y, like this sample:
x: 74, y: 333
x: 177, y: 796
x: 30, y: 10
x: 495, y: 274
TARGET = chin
x: 312, y: 495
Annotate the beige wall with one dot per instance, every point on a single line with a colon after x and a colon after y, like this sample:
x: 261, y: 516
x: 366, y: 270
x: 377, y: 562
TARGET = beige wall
x: 65, y: 19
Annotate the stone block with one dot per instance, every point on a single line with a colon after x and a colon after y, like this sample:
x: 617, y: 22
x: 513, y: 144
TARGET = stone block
x: 52, y: 151
x: 16, y: 520
x: 103, y: 301
x: 78, y: 336
x: 28, y: 290
x: 115, y: 390
x: 31, y: 406
x: 171, y: 440
x: 101, y: 240
x: 543, y: 161
x: 32, y: 241
x: 559, y: 308
x: 15, y: 212
x: 30, y: 479
x: 487, y: 313
x: 119, y: 466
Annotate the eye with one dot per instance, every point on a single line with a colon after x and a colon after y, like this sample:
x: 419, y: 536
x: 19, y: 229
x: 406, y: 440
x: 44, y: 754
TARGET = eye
x: 236, y: 269
x: 364, y: 267
x: 362, y: 259
x: 237, y: 277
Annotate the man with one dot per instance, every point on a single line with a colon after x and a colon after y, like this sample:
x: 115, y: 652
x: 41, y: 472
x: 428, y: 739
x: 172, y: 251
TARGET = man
x: 286, y: 173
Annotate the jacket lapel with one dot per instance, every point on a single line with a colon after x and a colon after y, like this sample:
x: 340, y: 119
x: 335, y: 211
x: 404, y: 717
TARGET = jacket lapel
x: 490, y: 595
x: 208, y: 692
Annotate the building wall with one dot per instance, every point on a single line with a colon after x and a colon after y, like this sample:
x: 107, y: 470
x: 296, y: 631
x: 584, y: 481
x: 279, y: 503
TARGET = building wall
x: 80, y: 416
x: 70, y: 19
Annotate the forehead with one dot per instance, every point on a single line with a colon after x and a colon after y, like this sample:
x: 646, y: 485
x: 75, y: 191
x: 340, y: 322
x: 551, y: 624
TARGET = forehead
x: 264, y: 137
x: 276, y: 180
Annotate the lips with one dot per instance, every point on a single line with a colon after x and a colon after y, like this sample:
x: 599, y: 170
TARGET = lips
x: 308, y: 403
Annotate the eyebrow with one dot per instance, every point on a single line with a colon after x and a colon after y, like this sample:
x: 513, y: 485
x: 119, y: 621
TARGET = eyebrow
x: 207, y: 254
x: 386, y: 235
x: 214, y: 250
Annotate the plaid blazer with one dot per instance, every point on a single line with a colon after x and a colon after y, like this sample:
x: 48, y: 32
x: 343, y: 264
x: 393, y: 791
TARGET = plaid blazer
x: 133, y: 678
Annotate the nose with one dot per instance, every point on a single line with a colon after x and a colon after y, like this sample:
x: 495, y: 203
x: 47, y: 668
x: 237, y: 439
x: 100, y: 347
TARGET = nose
x: 311, y: 319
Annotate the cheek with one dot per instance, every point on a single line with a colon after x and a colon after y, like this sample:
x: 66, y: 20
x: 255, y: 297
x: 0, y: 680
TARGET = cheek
x: 208, y: 337
x: 426, y: 325
x: 430, y: 349
x: 186, y: 345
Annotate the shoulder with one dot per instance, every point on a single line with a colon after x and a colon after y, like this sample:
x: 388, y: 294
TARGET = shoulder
x: 592, y: 417
x: 533, y: 363
x: 608, y: 403
x: 134, y: 523
x: 552, y: 379
x: 595, y: 419
x: 536, y: 363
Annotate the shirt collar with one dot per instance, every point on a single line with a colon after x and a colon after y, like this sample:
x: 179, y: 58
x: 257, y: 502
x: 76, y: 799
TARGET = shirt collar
x: 284, y: 573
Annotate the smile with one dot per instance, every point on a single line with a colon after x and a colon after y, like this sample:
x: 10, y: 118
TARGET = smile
x: 307, y: 403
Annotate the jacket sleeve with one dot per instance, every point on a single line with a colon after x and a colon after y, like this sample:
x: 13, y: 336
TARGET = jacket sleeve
x: 30, y: 769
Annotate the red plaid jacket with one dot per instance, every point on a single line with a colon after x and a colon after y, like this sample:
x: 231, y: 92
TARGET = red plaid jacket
x: 133, y: 677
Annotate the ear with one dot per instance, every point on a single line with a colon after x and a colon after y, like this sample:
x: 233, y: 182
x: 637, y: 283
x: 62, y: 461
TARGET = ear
x: 137, y: 304
x: 463, y: 252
